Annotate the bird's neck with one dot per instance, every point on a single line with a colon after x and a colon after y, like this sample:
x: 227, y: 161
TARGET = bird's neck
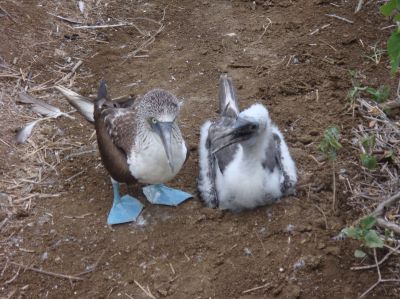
x: 256, y: 149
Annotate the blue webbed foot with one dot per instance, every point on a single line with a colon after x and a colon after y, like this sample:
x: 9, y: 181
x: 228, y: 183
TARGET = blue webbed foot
x: 162, y: 195
x: 124, y: 209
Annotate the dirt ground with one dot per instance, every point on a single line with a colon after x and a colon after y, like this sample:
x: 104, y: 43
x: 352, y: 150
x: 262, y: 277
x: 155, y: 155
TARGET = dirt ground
x: 276, y: 57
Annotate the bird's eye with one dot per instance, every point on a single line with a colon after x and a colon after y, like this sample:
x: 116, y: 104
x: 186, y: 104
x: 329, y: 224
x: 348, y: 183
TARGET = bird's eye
x: 154, y: 120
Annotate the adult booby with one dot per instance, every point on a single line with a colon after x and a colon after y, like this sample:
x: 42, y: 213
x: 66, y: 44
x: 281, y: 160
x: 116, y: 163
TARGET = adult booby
x: 244, y: 160
x: 139, y: 141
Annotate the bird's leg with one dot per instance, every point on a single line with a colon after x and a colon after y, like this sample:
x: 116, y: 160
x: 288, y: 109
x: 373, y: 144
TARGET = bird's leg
x: 163, y: 195
x: 125, y: 208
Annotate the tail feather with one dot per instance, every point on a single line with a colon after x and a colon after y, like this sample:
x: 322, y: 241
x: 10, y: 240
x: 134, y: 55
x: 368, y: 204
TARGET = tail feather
x: 84, y: 106
x: 228, y: 105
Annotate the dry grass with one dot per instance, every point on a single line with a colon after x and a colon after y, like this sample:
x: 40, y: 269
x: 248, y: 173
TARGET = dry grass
x: 371, y: 187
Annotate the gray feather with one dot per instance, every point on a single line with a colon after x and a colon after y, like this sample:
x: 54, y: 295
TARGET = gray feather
x: 84, y: 106
x: 228, y: 105
x: 24, y: 133
x: 41, y: 107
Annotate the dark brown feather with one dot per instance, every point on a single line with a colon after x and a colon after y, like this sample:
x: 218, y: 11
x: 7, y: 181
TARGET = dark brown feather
x: 115, y: 130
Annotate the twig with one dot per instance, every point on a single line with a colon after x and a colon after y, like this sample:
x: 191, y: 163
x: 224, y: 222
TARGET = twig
x: 340, y: 18
x: 147, y: 292
x: 69, y: 75
x: 379, y: 277
x: 323, y: 214
x: 149, y: 41
x: 92, y: 267
x: 334, y: 187
x: 265, y: 26
x: 256, y: 288
x: 359, y: 6
x: 380, y: 210
x: 14, y: 277
x: 74, y: 176
x: 259, y: 239
x: 70, y: 277
x: 101, y: 26
x: 392, y: 250
x: 65, y: 19
x: 77, y: 217
x: 8, y: 15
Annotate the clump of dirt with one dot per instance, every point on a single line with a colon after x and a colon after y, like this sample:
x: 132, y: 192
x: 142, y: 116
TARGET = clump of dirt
x: 288, y: 55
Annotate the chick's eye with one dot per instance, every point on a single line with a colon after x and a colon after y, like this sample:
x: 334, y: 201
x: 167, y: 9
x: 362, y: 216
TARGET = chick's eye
x: 154, y: 120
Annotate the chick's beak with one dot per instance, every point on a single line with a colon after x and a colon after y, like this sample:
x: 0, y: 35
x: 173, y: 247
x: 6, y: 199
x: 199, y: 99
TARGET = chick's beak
x: 242, y: 130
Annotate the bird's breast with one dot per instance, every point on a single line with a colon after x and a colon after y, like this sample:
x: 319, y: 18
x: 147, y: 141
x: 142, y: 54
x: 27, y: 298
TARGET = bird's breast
x: 148, y: 162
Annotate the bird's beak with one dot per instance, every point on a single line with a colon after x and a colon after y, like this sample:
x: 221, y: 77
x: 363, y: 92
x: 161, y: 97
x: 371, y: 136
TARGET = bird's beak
x: 242, y: 130
x: 164, y: 130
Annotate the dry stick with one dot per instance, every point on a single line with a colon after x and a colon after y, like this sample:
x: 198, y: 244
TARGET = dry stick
x: 256, y: 288
x: 323, y: 214
x: 147, y: 292
x: 339, y: 18
x: 393, y: 250
x: 259, y: 239
x: 334, y: 186
x: 69, y: 75
x: 101, y: 26
x: 65, y: 19
x: 8, y: 15
x: 70, y: 277
x: 359, y: 6
x: 379, y: 278
x: 380, y: 210
x: 265, y: 26
x: 14, y: 277
x: 147, y: 42
x: 94, y: 266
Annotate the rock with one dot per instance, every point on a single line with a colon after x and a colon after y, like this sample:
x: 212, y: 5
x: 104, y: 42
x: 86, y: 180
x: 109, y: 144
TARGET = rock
x: 292, y: 292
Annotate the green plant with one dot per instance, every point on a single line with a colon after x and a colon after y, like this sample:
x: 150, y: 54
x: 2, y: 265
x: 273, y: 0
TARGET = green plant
x: 329, y: 146
x: 379, y: 95
x: 367, y: 159
x: 330, y: 143
x: 376, y: 54
x: 365, y: 233
x: 392, y: 8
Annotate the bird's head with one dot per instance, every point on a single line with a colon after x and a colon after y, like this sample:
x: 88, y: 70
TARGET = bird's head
x: 159, y: 110
x: 244, y: 129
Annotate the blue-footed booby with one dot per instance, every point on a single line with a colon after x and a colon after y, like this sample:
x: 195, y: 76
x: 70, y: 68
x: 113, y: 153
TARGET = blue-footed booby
x: 139, y: 141
x: 244, y: 160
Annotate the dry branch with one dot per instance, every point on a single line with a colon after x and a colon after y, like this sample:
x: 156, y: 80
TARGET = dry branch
x: 359, y: 6
x: 380, y: 211
x: 380, y: 280
x: 65, y: 19
x: 340, y: 18
x: 392, y: 250
x: 70, y: 277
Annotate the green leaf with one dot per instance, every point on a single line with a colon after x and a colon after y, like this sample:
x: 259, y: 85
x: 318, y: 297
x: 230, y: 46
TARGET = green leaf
x: 330, y: 144
x: 379, y: 95
x: 372, y: 239
x: 388, y: 8
x: 359, y: 253
x: 393, y: 48
x: 367, y: 222
x: 368, y: 142
x: 368, y: 161
x: 352, y: 232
